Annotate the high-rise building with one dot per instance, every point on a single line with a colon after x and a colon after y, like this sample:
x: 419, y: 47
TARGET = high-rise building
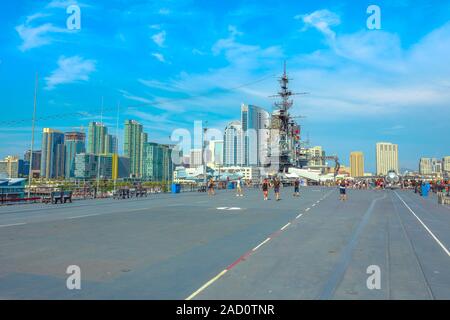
x: 132, y: 145
x: 255, y: 123
x: 13, y: 167
x: 357, y: 164
x: 157, y: 162
x: 215, y: 153
x: 36, y: 165
x: 97, y: 133
x: 425, y: 167
x: 144, y: 140
x: 75, y: 144
x: 232, y: 145
x: 387, y: 158
x: 111, y: 144
x: 53, y: 154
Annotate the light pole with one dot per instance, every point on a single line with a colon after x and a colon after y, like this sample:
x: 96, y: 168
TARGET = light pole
x: 205, y: 129
x: 116, y: 147
x: 30, y: 170
x: 101, y: 151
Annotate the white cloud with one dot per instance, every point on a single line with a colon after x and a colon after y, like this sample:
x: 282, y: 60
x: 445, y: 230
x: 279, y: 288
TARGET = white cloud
x: 36, y: 16
x: 70, y: 70
x: 133, y: 97
x: 33, y: 37
x: 321, y: 20
x: 154, y: 84
x: 159, y: 38
x: 158, y: 103
x: 159, y: 57
x: 63, y: 4
x: 248, y: 56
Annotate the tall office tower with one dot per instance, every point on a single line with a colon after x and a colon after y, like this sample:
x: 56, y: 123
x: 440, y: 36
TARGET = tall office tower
x: 315, y: 156
x: 132, y: 145
x: 97, y: 133
x: 232, y: 145
x: 215, y: 153
x: 357, y: 164
x: 111, y: 144
x: 157, y: 162
x: 168, y: 165
x: 52, y: 160
x: 75, y: 144
x: 446, y: 164
x: 255, y: 123
x: 60, y: 166
x: 425, y: 166
x: 36, y: 165
x: 387, y: 157
x: 144, y: 140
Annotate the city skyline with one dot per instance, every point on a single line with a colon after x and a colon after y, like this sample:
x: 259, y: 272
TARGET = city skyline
x: 139, y: 139
x: 394, y: 86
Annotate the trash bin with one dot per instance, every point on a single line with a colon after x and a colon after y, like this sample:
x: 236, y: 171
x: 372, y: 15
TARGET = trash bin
x: 231, y: 185
x: 176, y: 188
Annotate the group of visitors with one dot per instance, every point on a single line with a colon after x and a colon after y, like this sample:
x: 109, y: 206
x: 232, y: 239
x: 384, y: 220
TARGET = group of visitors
x: 265, y: 186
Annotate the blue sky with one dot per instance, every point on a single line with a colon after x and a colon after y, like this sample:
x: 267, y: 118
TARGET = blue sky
x: 365, y: 86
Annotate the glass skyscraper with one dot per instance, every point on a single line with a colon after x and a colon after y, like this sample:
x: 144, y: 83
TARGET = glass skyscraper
x: 255, y: 130
x: 97, y: 133
x: 157, y: 162
x: 232, y: 144
x: 75, y: 144
x: 132, y: 145
x: 52, y: 159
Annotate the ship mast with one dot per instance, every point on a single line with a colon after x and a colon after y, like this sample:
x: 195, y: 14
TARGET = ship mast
x: 284, y: 126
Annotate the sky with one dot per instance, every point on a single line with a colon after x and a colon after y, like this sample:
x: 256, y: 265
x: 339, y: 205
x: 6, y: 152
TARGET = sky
x: 172, y: 62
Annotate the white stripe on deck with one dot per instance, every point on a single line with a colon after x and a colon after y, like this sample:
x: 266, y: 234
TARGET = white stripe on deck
x: 12, y: 225
x: 425, y: 226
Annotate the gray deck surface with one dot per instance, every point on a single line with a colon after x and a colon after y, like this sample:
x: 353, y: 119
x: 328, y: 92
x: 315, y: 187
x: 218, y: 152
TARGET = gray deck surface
x: 169, y: 246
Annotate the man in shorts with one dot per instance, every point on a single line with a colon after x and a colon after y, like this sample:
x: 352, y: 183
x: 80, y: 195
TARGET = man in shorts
x: 343, y: 191
x: 297, y: 188
x: 265, y: 189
